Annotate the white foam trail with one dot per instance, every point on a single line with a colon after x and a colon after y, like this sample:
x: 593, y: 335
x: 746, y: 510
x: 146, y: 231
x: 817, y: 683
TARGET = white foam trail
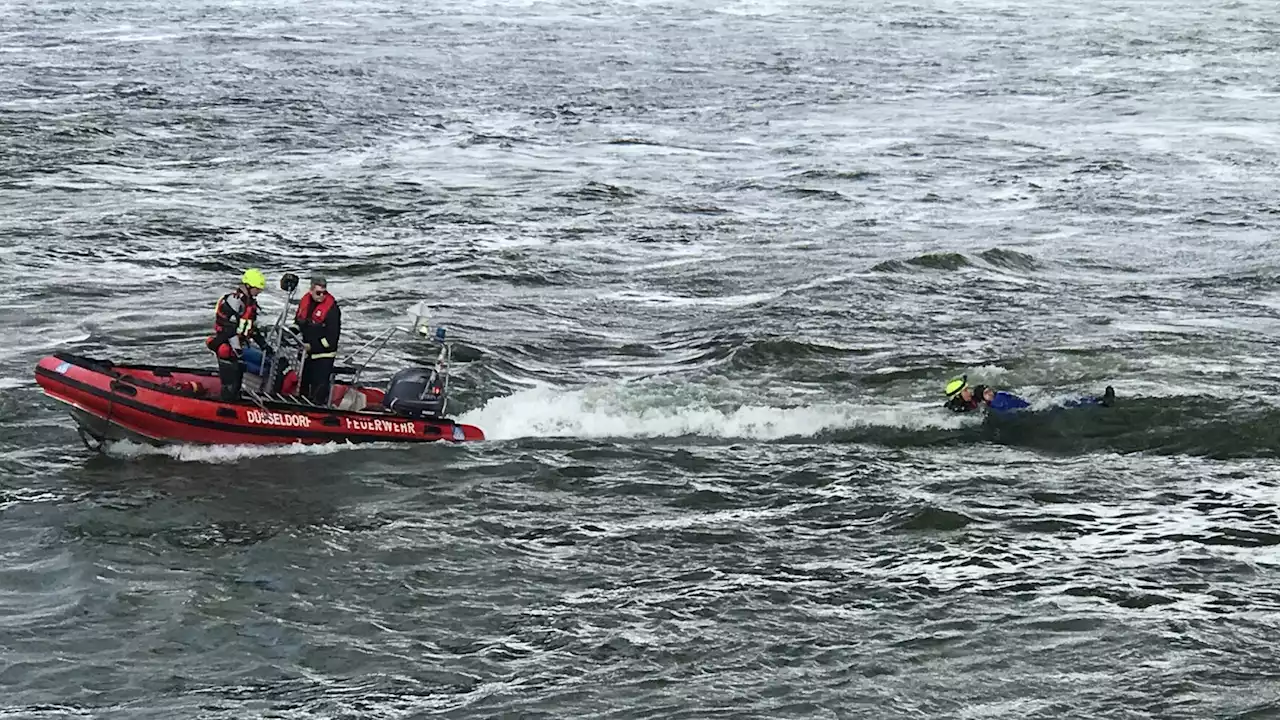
x: 226, y: 454
x: 11, y: 383
x: 601, y: 412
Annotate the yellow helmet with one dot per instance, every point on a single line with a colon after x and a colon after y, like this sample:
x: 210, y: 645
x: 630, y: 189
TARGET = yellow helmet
x: 253, y: 277
x: 955, y: 385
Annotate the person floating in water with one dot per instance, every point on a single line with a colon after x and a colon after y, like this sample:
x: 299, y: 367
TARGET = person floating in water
x: 962, y: 397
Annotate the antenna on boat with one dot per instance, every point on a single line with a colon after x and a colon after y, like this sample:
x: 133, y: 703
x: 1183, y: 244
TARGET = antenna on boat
x: 439, y: 380
x: 421, y: 326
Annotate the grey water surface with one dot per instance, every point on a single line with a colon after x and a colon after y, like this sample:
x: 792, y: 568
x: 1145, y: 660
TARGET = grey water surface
x: 709, y: 265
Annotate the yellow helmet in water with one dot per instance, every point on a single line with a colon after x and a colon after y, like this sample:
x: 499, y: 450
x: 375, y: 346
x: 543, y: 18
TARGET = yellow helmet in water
x: 254, y: 278
x: 955, y: 385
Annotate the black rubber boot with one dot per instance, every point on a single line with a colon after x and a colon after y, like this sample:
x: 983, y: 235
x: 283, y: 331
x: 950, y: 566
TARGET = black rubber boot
x: 231, y: 374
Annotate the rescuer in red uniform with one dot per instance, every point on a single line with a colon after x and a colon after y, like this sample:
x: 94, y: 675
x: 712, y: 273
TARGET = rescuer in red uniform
x: 233, y: 327
x: 319, y: 322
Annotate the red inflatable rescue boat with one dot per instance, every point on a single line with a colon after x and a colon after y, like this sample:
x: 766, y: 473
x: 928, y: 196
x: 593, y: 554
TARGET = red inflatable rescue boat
x: 158, y: 405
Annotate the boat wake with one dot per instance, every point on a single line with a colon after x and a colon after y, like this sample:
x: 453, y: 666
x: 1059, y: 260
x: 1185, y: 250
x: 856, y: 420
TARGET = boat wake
x: 618, y: 412
x: 227, y: 454
x: 1188, y: 425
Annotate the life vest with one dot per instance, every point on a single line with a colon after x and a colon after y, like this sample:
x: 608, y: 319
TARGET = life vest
x: 959, y: 404
x: 233, y: 319
x: 313, y: 313
x: 320, y: 324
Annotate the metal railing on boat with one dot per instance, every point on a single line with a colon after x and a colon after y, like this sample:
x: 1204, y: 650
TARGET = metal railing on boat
x: 260, y: 399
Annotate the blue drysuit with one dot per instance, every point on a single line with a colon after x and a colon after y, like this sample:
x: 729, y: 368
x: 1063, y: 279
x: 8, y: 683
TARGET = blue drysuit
x: 1007, y: 402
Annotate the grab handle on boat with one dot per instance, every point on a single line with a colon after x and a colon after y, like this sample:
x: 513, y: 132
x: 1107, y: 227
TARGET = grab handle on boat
x: 123, y: 388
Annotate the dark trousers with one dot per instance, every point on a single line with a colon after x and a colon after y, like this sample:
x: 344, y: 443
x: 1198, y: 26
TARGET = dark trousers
x: 230, y: 376
x: 316, y: 377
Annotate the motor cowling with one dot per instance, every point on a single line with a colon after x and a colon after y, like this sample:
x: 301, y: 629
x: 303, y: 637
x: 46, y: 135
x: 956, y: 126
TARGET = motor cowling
x: 415, y: 392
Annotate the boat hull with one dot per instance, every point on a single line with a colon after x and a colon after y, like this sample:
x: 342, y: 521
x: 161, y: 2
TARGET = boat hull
x: 160, y: 405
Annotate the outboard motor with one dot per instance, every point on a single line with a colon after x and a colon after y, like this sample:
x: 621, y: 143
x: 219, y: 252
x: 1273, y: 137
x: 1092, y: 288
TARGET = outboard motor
x: 415, y: 392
